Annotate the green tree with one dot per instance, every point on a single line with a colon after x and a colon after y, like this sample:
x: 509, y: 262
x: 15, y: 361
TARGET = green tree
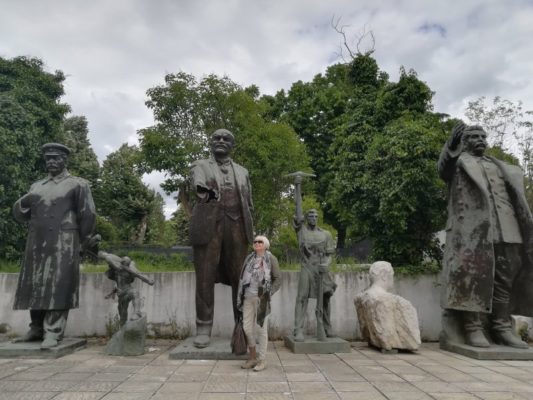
x: 357, y: 126
x: 187, y: 111
x: 82, y: 161
x: 393, y: 190
x: 30, y: 115
x: 319, y: 111
x: 386, y: 182
x: 160, y: 232
x: 122, y: 197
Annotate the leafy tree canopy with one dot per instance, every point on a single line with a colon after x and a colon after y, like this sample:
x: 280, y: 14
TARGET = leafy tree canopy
x: 122, y: 197
x: 30, y: 115
x: 187, y: 111
x: 82, y: 160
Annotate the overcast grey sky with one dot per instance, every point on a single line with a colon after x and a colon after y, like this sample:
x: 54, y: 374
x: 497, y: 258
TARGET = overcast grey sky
x: 113, y: 51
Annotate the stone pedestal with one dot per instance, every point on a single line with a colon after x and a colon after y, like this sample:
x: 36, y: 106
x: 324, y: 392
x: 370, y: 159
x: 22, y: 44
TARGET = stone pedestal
x: 313, y: 346
x: 129, y: 340
x: 218, y: 349
x: 33, y: 349
x: 494, y: 352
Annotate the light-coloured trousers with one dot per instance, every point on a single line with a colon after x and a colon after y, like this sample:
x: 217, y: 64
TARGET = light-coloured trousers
x: 252, y: 329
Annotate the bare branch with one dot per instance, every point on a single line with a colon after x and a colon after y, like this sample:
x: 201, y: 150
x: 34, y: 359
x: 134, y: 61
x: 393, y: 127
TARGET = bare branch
x: 340, y: 29
x: 345, y: 46
x: 362, y: 37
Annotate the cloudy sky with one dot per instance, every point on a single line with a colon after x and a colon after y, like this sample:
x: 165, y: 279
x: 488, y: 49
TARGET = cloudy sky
x: 113, y: 51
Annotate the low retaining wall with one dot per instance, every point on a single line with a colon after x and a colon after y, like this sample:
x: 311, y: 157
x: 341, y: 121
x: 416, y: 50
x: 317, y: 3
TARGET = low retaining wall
x: 169, y: 305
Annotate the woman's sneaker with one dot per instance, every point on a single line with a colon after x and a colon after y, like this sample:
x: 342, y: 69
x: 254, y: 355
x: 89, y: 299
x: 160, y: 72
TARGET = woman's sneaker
x: 261, y: 365
x: 249, y: 364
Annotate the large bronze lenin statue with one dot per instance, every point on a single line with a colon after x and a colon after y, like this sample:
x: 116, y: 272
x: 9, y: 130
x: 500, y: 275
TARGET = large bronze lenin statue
x: 488, y: 256
x: 221, y: 228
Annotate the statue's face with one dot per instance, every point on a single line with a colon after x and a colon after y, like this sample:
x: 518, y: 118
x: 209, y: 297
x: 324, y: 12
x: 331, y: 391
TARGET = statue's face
x: 55, y: 163
x: 312, y: 218
x: 222, y: 143
x: 475, y: 142
x: 388, y: 280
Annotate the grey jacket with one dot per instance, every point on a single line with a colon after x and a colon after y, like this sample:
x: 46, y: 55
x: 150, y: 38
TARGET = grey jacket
x: 266, y: 289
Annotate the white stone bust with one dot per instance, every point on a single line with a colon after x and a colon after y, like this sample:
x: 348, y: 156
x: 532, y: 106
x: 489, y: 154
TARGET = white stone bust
x: 387, y: 321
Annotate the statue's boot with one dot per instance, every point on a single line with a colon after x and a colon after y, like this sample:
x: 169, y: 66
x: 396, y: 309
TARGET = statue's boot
x: 298, y: 335
x: 474, y: 335
x: 476, y: 339
x: 49, y: 342
x: 501, y: 330
x: 203, y: 334
x: 33, y: 335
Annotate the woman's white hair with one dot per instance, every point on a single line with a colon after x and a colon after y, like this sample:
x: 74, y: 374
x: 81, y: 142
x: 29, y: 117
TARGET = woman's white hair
x: 264, y: 239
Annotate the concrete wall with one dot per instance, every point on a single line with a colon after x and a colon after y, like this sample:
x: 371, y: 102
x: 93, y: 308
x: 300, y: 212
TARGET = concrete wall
x: 169, y: 305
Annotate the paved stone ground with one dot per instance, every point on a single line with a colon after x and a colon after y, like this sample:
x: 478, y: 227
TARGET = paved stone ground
x: 363, y: 374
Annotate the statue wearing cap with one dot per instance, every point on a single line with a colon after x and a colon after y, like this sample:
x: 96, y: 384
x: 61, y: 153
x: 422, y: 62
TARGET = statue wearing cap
x: 221, y: 228
x: 61, y: 216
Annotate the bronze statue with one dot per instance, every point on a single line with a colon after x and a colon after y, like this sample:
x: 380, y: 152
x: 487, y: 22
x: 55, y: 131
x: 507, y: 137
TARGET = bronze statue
x: 123, y: 271
x: 61, y: 216
x: 489, y: 241
x: 221, y: 228
x: 316, y: 248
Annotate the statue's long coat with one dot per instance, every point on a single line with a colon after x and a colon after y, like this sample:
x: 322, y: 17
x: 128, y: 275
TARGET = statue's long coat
x: 468, y: 264
x: 61, y: 216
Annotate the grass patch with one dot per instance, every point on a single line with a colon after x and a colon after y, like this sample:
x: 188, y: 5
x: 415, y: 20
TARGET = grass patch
x: 422, y: 269
x: 148, y: 262
x: 9, y: 266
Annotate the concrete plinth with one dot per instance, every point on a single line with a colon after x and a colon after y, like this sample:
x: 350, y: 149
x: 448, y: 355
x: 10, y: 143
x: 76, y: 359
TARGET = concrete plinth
x: 494, y: 352
x: 33, y: 349
x: 218, y: 349
x: 313, y: 346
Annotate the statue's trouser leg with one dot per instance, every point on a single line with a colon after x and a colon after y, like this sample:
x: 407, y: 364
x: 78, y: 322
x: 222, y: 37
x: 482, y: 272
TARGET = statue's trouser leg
x: 54, y: 324
x: 137, y: 302
x: 327, y: 314
x: 474, y: 335
x: 123, y: 302
x: 252, y: 329
x: 507, y: 265
x: 233, y: 253
x: 36, y: 326
x: 302, y: 298
x: 227, y: 248
x: 206, y: 259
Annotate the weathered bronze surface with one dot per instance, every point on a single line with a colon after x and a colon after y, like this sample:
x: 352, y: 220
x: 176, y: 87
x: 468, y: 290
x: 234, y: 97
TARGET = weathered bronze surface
x: 316, y: 248
x: 61, y: 216
x: 123, y: 271
x: 489, y: 241
x: 221, y: 227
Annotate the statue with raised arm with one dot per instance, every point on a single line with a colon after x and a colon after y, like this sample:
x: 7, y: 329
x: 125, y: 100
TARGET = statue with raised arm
x: 488, y: 255
x: 61, y: 217
x: 316, y: 249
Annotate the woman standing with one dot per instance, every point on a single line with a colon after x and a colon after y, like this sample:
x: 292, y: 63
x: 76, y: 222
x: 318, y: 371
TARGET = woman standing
x: 260, y: 279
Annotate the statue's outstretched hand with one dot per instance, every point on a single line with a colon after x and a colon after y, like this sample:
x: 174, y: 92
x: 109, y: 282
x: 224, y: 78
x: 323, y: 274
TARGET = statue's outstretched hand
x: 457, y: 135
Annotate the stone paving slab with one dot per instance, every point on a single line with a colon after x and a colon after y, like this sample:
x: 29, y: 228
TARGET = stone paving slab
x: 312, y: 345
x: 361, y: 374
x: 218, y: 349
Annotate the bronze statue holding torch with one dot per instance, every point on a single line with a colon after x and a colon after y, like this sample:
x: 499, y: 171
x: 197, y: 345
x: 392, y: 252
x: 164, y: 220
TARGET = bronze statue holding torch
x: 316, y: 249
